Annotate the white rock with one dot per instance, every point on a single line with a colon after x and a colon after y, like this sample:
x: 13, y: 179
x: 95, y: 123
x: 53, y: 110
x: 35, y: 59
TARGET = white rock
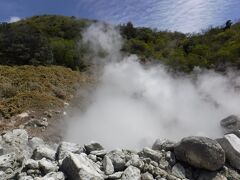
x: 92, y: 157
x: 135, y: 161
x: 116, y: 175
x: 7, y: 161
x: 131, y: 173
x: 31, y: 164
x: 80, y: 167
x: 25, y: 178
x: 23, y: 115
x: 43, y: 151
x: 147, y: 176
x: 108, y: 166
x: 152, y: 154
x: 54, y: 176
x: 47, y: 166
x: 65, y: 147
x: 16, y: 141
x: 231, y: 145
x: 35, y: 142
x: 118, y: 159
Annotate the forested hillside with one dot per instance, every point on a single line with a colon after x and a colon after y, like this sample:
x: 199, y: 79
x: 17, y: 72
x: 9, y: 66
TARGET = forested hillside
x: 50, y: 39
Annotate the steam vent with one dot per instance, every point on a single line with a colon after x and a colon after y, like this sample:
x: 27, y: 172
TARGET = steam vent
x: 120, y: 90
x: 201, y: 158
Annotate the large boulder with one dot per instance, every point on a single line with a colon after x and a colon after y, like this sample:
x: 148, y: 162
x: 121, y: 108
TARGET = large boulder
x: 231, y: 146
x: 78, y: 166
x: 200, y: 152
x: 230, y: 123
x: 131, y: 173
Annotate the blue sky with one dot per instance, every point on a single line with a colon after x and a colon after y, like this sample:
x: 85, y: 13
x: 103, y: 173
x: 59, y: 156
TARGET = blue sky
x: 180, y: 15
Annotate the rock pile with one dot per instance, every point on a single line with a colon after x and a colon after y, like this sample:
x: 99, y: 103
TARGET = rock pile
x: 192, y: 158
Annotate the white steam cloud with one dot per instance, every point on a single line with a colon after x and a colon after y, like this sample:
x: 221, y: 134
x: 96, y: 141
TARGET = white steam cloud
x: 133, y: 104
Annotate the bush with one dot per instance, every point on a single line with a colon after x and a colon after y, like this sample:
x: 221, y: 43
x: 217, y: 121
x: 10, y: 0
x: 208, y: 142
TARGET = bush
x: 36, y: 88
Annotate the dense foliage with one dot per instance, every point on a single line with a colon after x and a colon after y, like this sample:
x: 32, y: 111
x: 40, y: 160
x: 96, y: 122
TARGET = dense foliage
x: 215, y: 48
x: 49, y: 39
x: 42, y: 40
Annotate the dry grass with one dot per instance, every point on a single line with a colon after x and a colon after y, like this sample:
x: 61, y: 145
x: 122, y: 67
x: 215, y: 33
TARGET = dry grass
x: 36, y: 88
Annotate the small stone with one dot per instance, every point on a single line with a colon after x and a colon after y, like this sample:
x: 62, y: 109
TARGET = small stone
x: 118, y: 159
x: 1, y: 150
x: 93, y: 146
x: 35, y: 142
x: 165, y: 144
x: 147, y: 176
x: 25, y: 178
x: 65, y: 147
x: 100, y: 153
x: 116, y: 175
x: 47, y: 166
x: 135, y: 161
x: 54, y: 176
x: 7, y: 161
x: 31, y: 164
x: 108, y: 166
x: 154, y: 155
x: 230, y: 123
x: 43, y: 151
x: 92, y: 157
x: 131, y: 173
x: 163, y: 164
x: 170, y: 157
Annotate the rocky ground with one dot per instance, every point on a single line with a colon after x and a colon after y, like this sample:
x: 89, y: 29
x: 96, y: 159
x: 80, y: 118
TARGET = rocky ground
x: 25, y: 157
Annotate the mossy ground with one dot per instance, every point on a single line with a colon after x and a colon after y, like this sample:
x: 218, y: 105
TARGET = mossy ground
x: 39, y: 88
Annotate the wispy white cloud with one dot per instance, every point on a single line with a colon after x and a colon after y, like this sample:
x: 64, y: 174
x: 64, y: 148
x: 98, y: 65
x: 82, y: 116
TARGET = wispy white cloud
x: 14, y: 19
x: 180, y: 15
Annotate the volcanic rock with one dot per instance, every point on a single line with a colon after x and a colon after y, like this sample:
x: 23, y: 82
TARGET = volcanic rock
x: 65, y: 147
x: 231, y: 146
x: 200, y: 152
x: 93, y: 146
x: 118, y: 159
x: 78, y: 166
x: 131, y: 173
x: 230, y: 123
x: 108, y: 166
